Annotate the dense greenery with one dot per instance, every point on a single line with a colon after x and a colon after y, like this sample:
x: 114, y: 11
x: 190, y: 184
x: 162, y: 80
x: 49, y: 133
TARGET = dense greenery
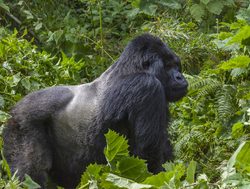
x: 46, y: 43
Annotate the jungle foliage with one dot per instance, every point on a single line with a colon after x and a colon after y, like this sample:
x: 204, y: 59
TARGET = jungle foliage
x: 47, y: 43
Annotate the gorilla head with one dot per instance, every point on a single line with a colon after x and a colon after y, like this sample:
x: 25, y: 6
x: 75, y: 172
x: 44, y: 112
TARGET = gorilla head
x: 56, y: 132
x: 149, y: 54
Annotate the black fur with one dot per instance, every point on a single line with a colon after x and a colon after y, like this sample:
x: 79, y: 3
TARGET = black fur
x: 57, y: 132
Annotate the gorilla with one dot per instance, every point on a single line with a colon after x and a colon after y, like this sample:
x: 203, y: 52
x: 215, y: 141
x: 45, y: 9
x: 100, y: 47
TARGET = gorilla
x: 56, y: 132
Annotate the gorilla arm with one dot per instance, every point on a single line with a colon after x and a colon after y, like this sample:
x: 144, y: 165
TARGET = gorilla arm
x: 150, y: 122
x: 141, y: 100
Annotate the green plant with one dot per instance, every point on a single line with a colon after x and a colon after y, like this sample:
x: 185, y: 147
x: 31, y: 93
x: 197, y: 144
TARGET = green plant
x: 123, y: 171
x: 25, y: 69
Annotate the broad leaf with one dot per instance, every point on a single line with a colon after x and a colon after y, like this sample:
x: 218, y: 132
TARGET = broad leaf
x: 125, y: 183
x: 242, y: 34
x: 4, y: 116
x: 133, y: 168
x: 197, y: 11
x: 243, y: 157
x: 117, y: 147
x: 237, y: 62
x: 191, y: 172
x: 160, y: 179
x: 237, y: 130
x: 26, y: 83
x: 173, y: 4
x: 205, y: 1
x: 29, y: 183
x: 92, y: 174
x: 4, y: 6
x: 228, y: 2
x: 215, y: 7
x: 232, y: 160
x: 2, y: 102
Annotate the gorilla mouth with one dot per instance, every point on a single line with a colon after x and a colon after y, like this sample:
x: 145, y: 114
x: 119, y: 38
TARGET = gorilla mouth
x: 180, y: 89
x: 176, y: 93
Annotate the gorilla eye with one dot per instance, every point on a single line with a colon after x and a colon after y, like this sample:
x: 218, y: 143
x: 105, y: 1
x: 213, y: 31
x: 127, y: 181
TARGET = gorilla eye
x: 168, y: 66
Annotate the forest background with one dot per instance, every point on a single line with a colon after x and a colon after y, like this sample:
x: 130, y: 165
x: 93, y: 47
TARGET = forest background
x: 54, y: 42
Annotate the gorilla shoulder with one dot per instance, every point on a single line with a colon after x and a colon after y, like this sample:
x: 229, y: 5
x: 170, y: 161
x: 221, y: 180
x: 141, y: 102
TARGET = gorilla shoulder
x: 41, y: 104
x: 81, y: 108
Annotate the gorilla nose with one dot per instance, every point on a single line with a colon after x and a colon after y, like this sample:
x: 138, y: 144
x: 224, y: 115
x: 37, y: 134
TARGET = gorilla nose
x: 181, y: 81
x: 179, y: 77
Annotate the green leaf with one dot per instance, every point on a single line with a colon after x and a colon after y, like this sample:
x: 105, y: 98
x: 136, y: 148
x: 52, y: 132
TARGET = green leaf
x: 133, y: 168
x: 57, y: 35
x: 191, y: 172
x: 231, y: 162
x: 215, y: 7
x: 243, y: 157
x: 4, y: 116
x: 236, y: 72
x: 92, y: 173
x: 2, y: 102
x: 197, y: 11
x: 205, y: 1
x: 16, y: 78
x: 39, y: 26
x: 160, y: 179
x: 117, y: 147
x: 237, y: 62
x: 28, y: 14
x: 29, y: 183
x: 241, y: 35
x: 4, y: 6
x: 202, y: 182
x: 125, y: 183
x: 26, y: 82
x: 244, y: 14
x: 135, y: 3
x: 149, y: 9
x: 237, y: 130
x: 173, y: 4
x: 4, y: 163
x: 229, y: 2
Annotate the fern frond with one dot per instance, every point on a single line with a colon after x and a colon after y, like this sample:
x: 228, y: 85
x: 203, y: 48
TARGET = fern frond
x: 210, y: 88
x: 182, y: 144
x: 238, y: 72
x: 196, y: 83
x: 203, y: 86
x: 225, y: 102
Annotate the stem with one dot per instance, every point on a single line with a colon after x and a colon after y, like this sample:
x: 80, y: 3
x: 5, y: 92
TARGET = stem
x: 84, y: 186
x: 101, y: 47
x: 100, y: 20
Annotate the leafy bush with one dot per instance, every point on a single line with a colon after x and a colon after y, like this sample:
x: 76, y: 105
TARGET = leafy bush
x: 210, y: 132
x: 25, y: 69
x: 84, y: 37
x: 123, y: 171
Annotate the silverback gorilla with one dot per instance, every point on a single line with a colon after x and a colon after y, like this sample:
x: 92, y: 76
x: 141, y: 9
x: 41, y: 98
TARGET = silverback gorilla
x: 56, y: 132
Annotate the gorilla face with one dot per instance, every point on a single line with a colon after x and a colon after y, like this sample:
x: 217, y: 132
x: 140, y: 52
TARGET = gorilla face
x: 176, y: 85
x: 167, y: 68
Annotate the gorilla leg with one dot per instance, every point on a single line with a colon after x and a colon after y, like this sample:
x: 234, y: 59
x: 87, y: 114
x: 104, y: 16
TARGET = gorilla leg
x: 28, y: 151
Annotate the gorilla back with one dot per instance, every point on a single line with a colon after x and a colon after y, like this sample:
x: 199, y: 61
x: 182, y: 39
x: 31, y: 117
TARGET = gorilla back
x: 56, y: 132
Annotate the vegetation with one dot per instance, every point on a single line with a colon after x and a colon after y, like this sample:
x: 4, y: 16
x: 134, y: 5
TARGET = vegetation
x: 46, y: 43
